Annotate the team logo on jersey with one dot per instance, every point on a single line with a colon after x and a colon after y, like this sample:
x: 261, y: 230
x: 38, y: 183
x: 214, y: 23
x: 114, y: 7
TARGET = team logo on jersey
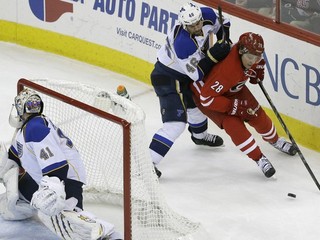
x: 19, y: 149
x: 50, y: 10
x: 238, y: 87
x: 180, y: 112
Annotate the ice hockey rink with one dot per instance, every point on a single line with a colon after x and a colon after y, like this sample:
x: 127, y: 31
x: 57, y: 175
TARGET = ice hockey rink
x: 220, y: 188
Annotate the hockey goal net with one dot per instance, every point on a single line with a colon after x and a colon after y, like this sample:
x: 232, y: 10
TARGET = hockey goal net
x: 109, y: 132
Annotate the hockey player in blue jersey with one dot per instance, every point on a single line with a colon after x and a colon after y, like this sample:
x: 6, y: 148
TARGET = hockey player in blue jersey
x: 188, y: 55
x: 43, y: 174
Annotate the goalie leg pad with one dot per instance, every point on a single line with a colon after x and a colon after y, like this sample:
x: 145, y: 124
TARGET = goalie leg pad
x: 11, y: 206
x: 58, y: 225
x: 82, y: 225
x: 5, y: 162
x: 106, y: 227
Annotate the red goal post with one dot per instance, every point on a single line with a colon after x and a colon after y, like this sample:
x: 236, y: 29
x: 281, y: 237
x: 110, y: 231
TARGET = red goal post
x: 108, y: 130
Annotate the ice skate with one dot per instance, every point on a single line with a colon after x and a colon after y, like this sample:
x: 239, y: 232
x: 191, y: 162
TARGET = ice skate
x: 208, y: 140
x: 266, y: 167
x: 284, y: 146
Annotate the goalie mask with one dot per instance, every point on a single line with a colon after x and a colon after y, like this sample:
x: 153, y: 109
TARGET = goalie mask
x: 27, y: 101
x: 189, y: 14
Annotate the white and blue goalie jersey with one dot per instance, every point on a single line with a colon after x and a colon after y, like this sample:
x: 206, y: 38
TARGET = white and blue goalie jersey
x: 43, y: 148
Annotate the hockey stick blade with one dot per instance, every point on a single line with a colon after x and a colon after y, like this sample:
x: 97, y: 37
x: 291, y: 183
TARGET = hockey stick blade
x: 289, y: 134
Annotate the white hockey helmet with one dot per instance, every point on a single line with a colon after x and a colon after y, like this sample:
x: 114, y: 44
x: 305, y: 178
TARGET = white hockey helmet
x: 189, y: 14
x: 28, y: 101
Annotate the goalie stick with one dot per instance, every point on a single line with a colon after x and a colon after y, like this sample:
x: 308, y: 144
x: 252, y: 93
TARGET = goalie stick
x: 289, y: 134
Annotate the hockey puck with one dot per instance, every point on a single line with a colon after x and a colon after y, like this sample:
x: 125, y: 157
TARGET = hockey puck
x: 292, y: 195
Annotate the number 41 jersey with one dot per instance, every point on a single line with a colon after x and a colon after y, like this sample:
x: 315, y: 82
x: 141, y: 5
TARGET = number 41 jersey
x: 43, y: 148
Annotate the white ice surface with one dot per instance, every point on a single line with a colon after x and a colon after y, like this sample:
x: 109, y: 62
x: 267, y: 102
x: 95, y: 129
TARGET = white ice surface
x: 221, y: 188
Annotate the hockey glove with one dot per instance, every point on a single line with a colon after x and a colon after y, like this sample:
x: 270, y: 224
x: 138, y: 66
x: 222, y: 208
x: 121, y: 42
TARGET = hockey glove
x: 214, y: 54
x: 257, y: 72
x: 50, y: 198
x: 243, y: 109
x: 218, y: 52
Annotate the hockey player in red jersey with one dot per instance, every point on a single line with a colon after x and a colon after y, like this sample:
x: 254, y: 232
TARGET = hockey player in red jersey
x: 227, y: 101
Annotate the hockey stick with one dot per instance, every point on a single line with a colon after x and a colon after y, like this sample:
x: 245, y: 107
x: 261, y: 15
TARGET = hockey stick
x: 220, y: 18
x: 289, y: 134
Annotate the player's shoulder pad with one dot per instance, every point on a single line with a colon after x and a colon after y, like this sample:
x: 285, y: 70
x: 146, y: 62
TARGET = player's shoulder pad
x: 184, y: 44
x: 36, y: 129
x: 209, y: 16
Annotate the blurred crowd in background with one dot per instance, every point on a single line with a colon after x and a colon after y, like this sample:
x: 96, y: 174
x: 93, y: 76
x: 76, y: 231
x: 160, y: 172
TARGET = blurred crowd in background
x: 299, y: 13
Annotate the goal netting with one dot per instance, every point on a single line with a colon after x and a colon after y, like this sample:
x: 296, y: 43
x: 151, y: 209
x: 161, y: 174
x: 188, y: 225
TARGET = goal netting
x: 109, y: 132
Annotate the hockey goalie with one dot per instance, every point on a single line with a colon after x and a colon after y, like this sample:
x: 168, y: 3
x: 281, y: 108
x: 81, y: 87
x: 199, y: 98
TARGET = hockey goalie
x: 43, y: 175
